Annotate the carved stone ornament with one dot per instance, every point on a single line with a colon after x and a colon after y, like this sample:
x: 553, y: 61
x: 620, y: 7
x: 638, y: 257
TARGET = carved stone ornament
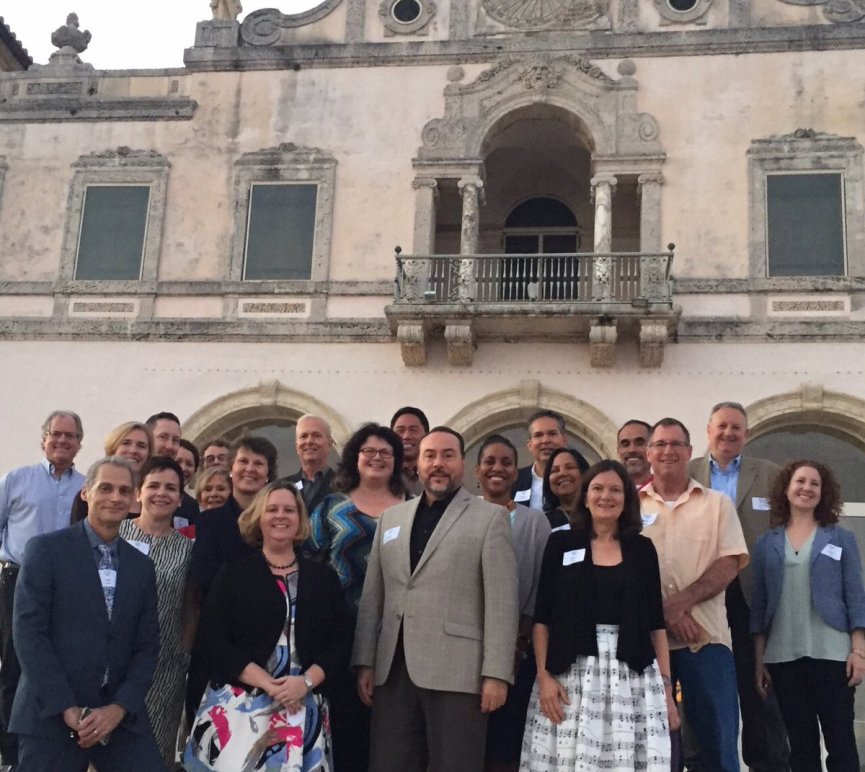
x: 226, y: 10
x: 836, y: 11
x: 264, y: 27
x: 71, y: 36
x: 543, y: 14
x: 606, y: 106
x: 696, y: 14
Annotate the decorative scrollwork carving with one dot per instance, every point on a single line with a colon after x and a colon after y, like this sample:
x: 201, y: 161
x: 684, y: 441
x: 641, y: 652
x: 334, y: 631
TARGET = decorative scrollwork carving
x: 544, y: 13
x: 844, y: 11
x: 264, y: 27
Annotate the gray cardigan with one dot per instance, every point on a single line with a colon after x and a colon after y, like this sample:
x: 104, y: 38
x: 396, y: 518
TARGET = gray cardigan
x: 530, y: 532
x: 837, y: 592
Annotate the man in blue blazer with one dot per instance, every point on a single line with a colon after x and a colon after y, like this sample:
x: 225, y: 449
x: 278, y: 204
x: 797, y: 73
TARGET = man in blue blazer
x: 87, y: 634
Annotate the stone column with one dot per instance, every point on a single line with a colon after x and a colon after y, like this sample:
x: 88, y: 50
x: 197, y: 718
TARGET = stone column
x: 470, y: 188
x: 650, y: 211
x: 603, y: 186
x: 416, y: 272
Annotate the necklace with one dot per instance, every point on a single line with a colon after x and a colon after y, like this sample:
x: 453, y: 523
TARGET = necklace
x: 280, y: 568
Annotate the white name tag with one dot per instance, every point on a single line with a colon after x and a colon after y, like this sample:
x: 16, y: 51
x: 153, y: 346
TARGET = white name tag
x: 179, y: 522
x: 299, y: 485
x: 390, y: 534
x: 832, y: 550
x: 523, y: 495
x: 142, y: 546
x: 760, y: 504
x: 573, y: 556
x: 648, y: 518
x: 108, y: 577
x: 565, y: 527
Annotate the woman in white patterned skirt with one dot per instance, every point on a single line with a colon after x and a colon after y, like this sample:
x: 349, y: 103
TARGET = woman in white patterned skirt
x: 152, y: 533
x: 603, y: 698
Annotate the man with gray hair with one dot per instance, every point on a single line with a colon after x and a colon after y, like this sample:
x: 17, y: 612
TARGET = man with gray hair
x: 747, y: 482
x: 34, y: 500
x: 313, y: 442
x: 87, y: 631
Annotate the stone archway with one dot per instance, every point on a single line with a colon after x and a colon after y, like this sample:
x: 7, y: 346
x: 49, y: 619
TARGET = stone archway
x: 269, y: 402
x: 514, y: 406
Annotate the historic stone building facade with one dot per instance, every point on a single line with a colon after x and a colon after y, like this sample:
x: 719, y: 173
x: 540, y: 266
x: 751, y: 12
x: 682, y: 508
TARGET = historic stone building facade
x: 467, y: 205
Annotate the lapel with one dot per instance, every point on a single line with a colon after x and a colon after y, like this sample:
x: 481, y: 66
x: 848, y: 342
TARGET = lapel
x: 90, y: 584
x: 703, y: 475
x: 822, y: 536
x: 747, y: 473
x: 405, y: 520
x: 777, y: 544
x: 457, y: 506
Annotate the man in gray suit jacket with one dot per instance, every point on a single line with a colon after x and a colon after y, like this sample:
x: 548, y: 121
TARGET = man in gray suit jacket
x: 437, y: 620
x: 87, y: 635
x: 747, y: 481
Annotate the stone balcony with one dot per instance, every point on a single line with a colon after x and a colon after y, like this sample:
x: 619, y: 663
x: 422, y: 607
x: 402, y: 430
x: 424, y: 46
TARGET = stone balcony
x: 596, y: 297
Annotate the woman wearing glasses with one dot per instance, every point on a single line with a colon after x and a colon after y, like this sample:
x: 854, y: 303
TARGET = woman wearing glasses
x: 368, y: 481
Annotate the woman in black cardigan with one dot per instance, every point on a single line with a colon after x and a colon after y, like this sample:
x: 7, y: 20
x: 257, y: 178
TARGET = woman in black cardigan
x: 273, y: 627
x: 603, y: 698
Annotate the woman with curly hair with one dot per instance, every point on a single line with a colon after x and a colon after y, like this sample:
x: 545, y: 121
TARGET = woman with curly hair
x: 808, y: 616
x: 368, y: 481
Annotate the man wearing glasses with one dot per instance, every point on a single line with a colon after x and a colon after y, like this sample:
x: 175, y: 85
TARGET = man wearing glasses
x: 701, y: 549
x: 34, y: 500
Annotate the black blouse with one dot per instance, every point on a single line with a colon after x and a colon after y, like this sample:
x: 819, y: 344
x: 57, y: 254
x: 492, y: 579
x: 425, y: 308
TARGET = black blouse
x: 567, y: 601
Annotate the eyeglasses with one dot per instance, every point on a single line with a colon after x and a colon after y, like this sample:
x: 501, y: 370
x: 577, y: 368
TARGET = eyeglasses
x: 55, y: 435
x: 383, y: 454
x: 675, y: 445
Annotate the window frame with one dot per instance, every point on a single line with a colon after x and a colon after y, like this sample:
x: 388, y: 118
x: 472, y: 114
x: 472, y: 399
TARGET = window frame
x: 286, y: 164
x: 807, y: 152
x: 117, y: 167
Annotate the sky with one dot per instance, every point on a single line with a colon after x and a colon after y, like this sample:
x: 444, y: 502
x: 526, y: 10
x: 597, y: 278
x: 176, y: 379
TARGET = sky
x: 126, y: 34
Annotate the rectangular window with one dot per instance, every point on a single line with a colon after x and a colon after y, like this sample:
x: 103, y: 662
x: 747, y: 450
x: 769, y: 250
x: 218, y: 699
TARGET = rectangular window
x: 113, y: 231
x: 280, y: 231
x: 805, y: 219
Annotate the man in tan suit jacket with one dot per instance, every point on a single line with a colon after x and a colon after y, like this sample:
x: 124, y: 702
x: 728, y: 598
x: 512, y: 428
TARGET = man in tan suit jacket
x: 437, y: 621
x: 747, y: 481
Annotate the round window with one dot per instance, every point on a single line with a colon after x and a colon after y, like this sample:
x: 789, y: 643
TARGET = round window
x: 406, y: 11
x: 682, y: 5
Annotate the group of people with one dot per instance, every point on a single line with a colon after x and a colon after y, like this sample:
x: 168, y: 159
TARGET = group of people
x: 381, y: 616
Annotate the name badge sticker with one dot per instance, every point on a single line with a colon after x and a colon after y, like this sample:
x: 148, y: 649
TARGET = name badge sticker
x: 390, y: 534
x: 573, y: 556
x: 832, y: 550
x: 523, y: 495
x: 299, y: 485
x: 179, y: 522
x: 648, y: 518
x: 142, y: 546
x: 760, y: 504
x: 565, y: 527
x: 108, y: 577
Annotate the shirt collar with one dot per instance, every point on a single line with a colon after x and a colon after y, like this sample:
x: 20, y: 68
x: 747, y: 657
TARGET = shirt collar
x: 49, y: 467
x: 95, y: 539
x: 733, y: 466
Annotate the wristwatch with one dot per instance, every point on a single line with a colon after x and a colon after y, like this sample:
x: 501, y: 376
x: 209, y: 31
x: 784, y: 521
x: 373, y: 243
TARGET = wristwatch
x: 309, y: 684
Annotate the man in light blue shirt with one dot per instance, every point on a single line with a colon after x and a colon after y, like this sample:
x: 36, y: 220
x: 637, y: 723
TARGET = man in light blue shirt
x: 34, y: 500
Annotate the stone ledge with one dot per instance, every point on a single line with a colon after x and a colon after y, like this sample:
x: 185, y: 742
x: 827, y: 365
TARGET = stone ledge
x: 61, y: 109
x: 590, y: 44
x: 763, y: 285
x: 343, y: 288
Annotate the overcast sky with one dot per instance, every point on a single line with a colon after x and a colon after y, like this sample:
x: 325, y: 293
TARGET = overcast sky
x: 126, y: 33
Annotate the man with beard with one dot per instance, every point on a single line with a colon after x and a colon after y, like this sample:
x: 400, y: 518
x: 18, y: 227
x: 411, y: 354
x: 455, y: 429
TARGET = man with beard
x: 632, y: 446
x: 437, y: 620
x: 546, y: 433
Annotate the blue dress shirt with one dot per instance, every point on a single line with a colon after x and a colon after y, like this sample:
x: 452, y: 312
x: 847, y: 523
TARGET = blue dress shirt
x: 32, y: 502
x: 725, y: 480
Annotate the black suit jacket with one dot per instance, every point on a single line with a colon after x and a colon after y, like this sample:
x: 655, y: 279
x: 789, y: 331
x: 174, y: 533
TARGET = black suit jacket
x: 65, y: 640
x: 565, y: 602
x: 523, y: 483
x: 245, y: 613
x: 217, y: 541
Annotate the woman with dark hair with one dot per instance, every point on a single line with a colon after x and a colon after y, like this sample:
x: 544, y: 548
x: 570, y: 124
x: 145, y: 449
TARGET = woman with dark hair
x: 153, y: 534
x: 496, y: 473
x: 603, y: 697
x: 277, y: 630
x: 808, y: 616
x: 368, y: 481
x: 565, y: 467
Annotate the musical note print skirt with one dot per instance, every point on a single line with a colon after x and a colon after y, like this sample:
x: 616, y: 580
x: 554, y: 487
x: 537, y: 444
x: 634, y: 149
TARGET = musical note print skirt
x: 617, y: 719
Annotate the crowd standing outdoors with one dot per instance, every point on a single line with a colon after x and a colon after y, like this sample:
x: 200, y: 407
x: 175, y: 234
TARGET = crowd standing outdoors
x: 628, y: 615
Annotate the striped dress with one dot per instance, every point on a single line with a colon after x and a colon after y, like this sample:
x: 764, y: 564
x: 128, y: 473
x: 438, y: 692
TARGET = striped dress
x: 170, y: 555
